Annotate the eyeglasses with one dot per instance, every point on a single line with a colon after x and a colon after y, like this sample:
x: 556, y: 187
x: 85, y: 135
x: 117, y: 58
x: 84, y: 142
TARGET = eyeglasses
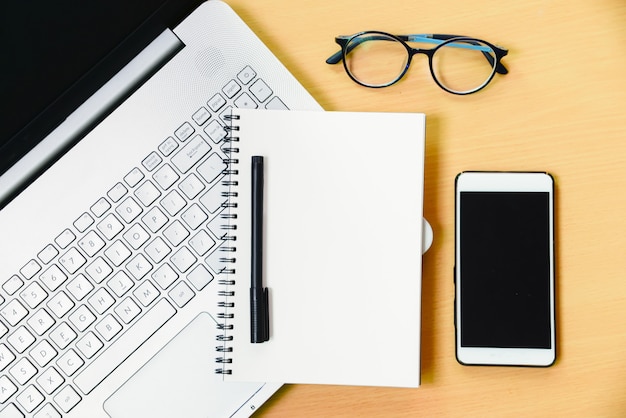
x: 458, y: 64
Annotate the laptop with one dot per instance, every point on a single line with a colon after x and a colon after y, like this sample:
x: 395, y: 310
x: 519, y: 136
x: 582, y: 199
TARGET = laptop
x: 111, y: 158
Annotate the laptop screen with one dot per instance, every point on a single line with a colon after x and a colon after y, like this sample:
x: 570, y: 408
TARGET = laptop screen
x: 56, y: 54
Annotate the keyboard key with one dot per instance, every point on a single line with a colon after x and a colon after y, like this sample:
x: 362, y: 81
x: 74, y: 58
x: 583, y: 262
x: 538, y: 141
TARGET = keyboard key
x: 194, y: 216
x: 165, y: 176
x: 67, y: 398
x: 246, y: 75
x: 276, y: 104
x: 181, y: 294
x: 30, y: 398
x: 108, y: 361
x: 43, y: 353
x: 128, y: 210
x: 184, y: 132
x: 213, y: 199
x: 117, y: 253
x: 11, y: 411
x: 191, y: 186
x: 98, y: 271
x: 260, y: 90
x: 23, y: 371
x: 50, y: 380
x: 245, y: 102
x: 53, y: 277
x: 101, y: 300
x: 138, y: 267
x: 83, y: 222
x: 200, y: 277
x: 215, y: 131
x: 212, y: 168
x: 219, y: 261
x: 173, y: 203
x: 89, y: 345
x: 100, y: 207
x: 152, y: 161
x: 13, y: 284
x: 6, y: 356
x: 72, y: 260
x: 147, y: 193
x: 175, y: 233
x: 201, y: 116
x: 65, y: 238
x: 108, y: 327
x: 3, y: 330
x: 133, y: 177
x: 21, y: 339
x: 154, y: 219
x: 41, y: 321
x: 157, y: 250
x: 120, y: 283
x: 110, y: 226
x: 13, y: 312
x: 227, y: 112
x: 33, y: 295
x: 30, y: 269
x: 62, y: 335
x: 47, y: 254
x: 136, y: 236
x: 168, y: 146
x: 82, y: 317
x: 117, y: 192
x: 91, y: 243
x: 7, y: 389
x: 183, y: 259
x: 191, y: 154
x: 127, y: 310
x: 201, y: 243
x: 216, y: 102
x: 231, y: 89
x: 164, y: 276
x: 146, y: 293
x: 60, y: 304
x: 70, y: 362
x: 79, y: 287
x: 47, y: 411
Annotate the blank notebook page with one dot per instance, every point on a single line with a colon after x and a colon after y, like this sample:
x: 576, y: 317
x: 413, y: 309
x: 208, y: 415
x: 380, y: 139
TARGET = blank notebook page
x: 342, y: 247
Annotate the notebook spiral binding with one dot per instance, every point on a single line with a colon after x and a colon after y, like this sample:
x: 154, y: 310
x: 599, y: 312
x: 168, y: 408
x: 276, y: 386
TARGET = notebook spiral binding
x: 229, y: 216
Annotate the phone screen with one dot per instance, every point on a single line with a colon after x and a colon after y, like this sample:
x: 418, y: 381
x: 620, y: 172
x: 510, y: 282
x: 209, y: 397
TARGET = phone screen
x: 505, y: 269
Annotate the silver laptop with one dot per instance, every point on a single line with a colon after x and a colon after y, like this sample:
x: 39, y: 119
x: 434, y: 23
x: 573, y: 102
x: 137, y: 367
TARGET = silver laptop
x: 110, y: 227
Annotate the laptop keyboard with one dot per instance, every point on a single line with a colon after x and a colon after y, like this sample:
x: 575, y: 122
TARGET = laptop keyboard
x: 126, y: 266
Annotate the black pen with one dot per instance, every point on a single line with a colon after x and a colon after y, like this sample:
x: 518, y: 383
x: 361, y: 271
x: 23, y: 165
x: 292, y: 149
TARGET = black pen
x: 259, y: 304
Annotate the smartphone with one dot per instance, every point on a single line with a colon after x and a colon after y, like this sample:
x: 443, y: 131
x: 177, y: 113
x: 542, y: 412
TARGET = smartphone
x: 504, y: 269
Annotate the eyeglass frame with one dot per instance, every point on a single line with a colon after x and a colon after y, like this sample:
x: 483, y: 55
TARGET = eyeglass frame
x: 440, y: 39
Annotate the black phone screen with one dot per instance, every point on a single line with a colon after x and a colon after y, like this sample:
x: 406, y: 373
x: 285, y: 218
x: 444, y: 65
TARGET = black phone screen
x: 505, y: 269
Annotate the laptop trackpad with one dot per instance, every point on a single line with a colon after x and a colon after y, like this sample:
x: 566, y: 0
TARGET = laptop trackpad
x: 180, y: 380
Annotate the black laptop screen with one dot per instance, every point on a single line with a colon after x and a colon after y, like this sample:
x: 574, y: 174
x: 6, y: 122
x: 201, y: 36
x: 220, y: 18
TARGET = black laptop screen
x: 50, y: 46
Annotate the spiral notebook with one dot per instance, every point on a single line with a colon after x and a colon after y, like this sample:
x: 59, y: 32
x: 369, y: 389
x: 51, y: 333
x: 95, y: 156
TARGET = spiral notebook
x: 342, y: 248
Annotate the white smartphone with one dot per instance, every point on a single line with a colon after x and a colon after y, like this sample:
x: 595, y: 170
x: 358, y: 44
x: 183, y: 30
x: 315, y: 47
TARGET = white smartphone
x: 504, y: 269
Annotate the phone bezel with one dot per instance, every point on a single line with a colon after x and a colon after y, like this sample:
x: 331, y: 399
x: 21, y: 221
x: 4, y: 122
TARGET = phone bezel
x: 504, y: 182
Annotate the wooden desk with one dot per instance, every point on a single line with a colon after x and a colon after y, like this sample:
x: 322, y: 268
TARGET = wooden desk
x: 562, y: 108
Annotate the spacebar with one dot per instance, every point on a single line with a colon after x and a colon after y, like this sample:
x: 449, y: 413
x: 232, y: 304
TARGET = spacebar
x: 121, y: 349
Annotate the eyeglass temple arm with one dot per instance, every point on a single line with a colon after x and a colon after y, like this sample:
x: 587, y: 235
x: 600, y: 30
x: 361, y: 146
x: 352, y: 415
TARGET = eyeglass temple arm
x: 426, y: 38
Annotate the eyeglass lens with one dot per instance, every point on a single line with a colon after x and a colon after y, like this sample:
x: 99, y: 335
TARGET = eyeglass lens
x: 461, y: 65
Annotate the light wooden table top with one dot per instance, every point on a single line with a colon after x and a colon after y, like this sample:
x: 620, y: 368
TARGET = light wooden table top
x: 561, y: 109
